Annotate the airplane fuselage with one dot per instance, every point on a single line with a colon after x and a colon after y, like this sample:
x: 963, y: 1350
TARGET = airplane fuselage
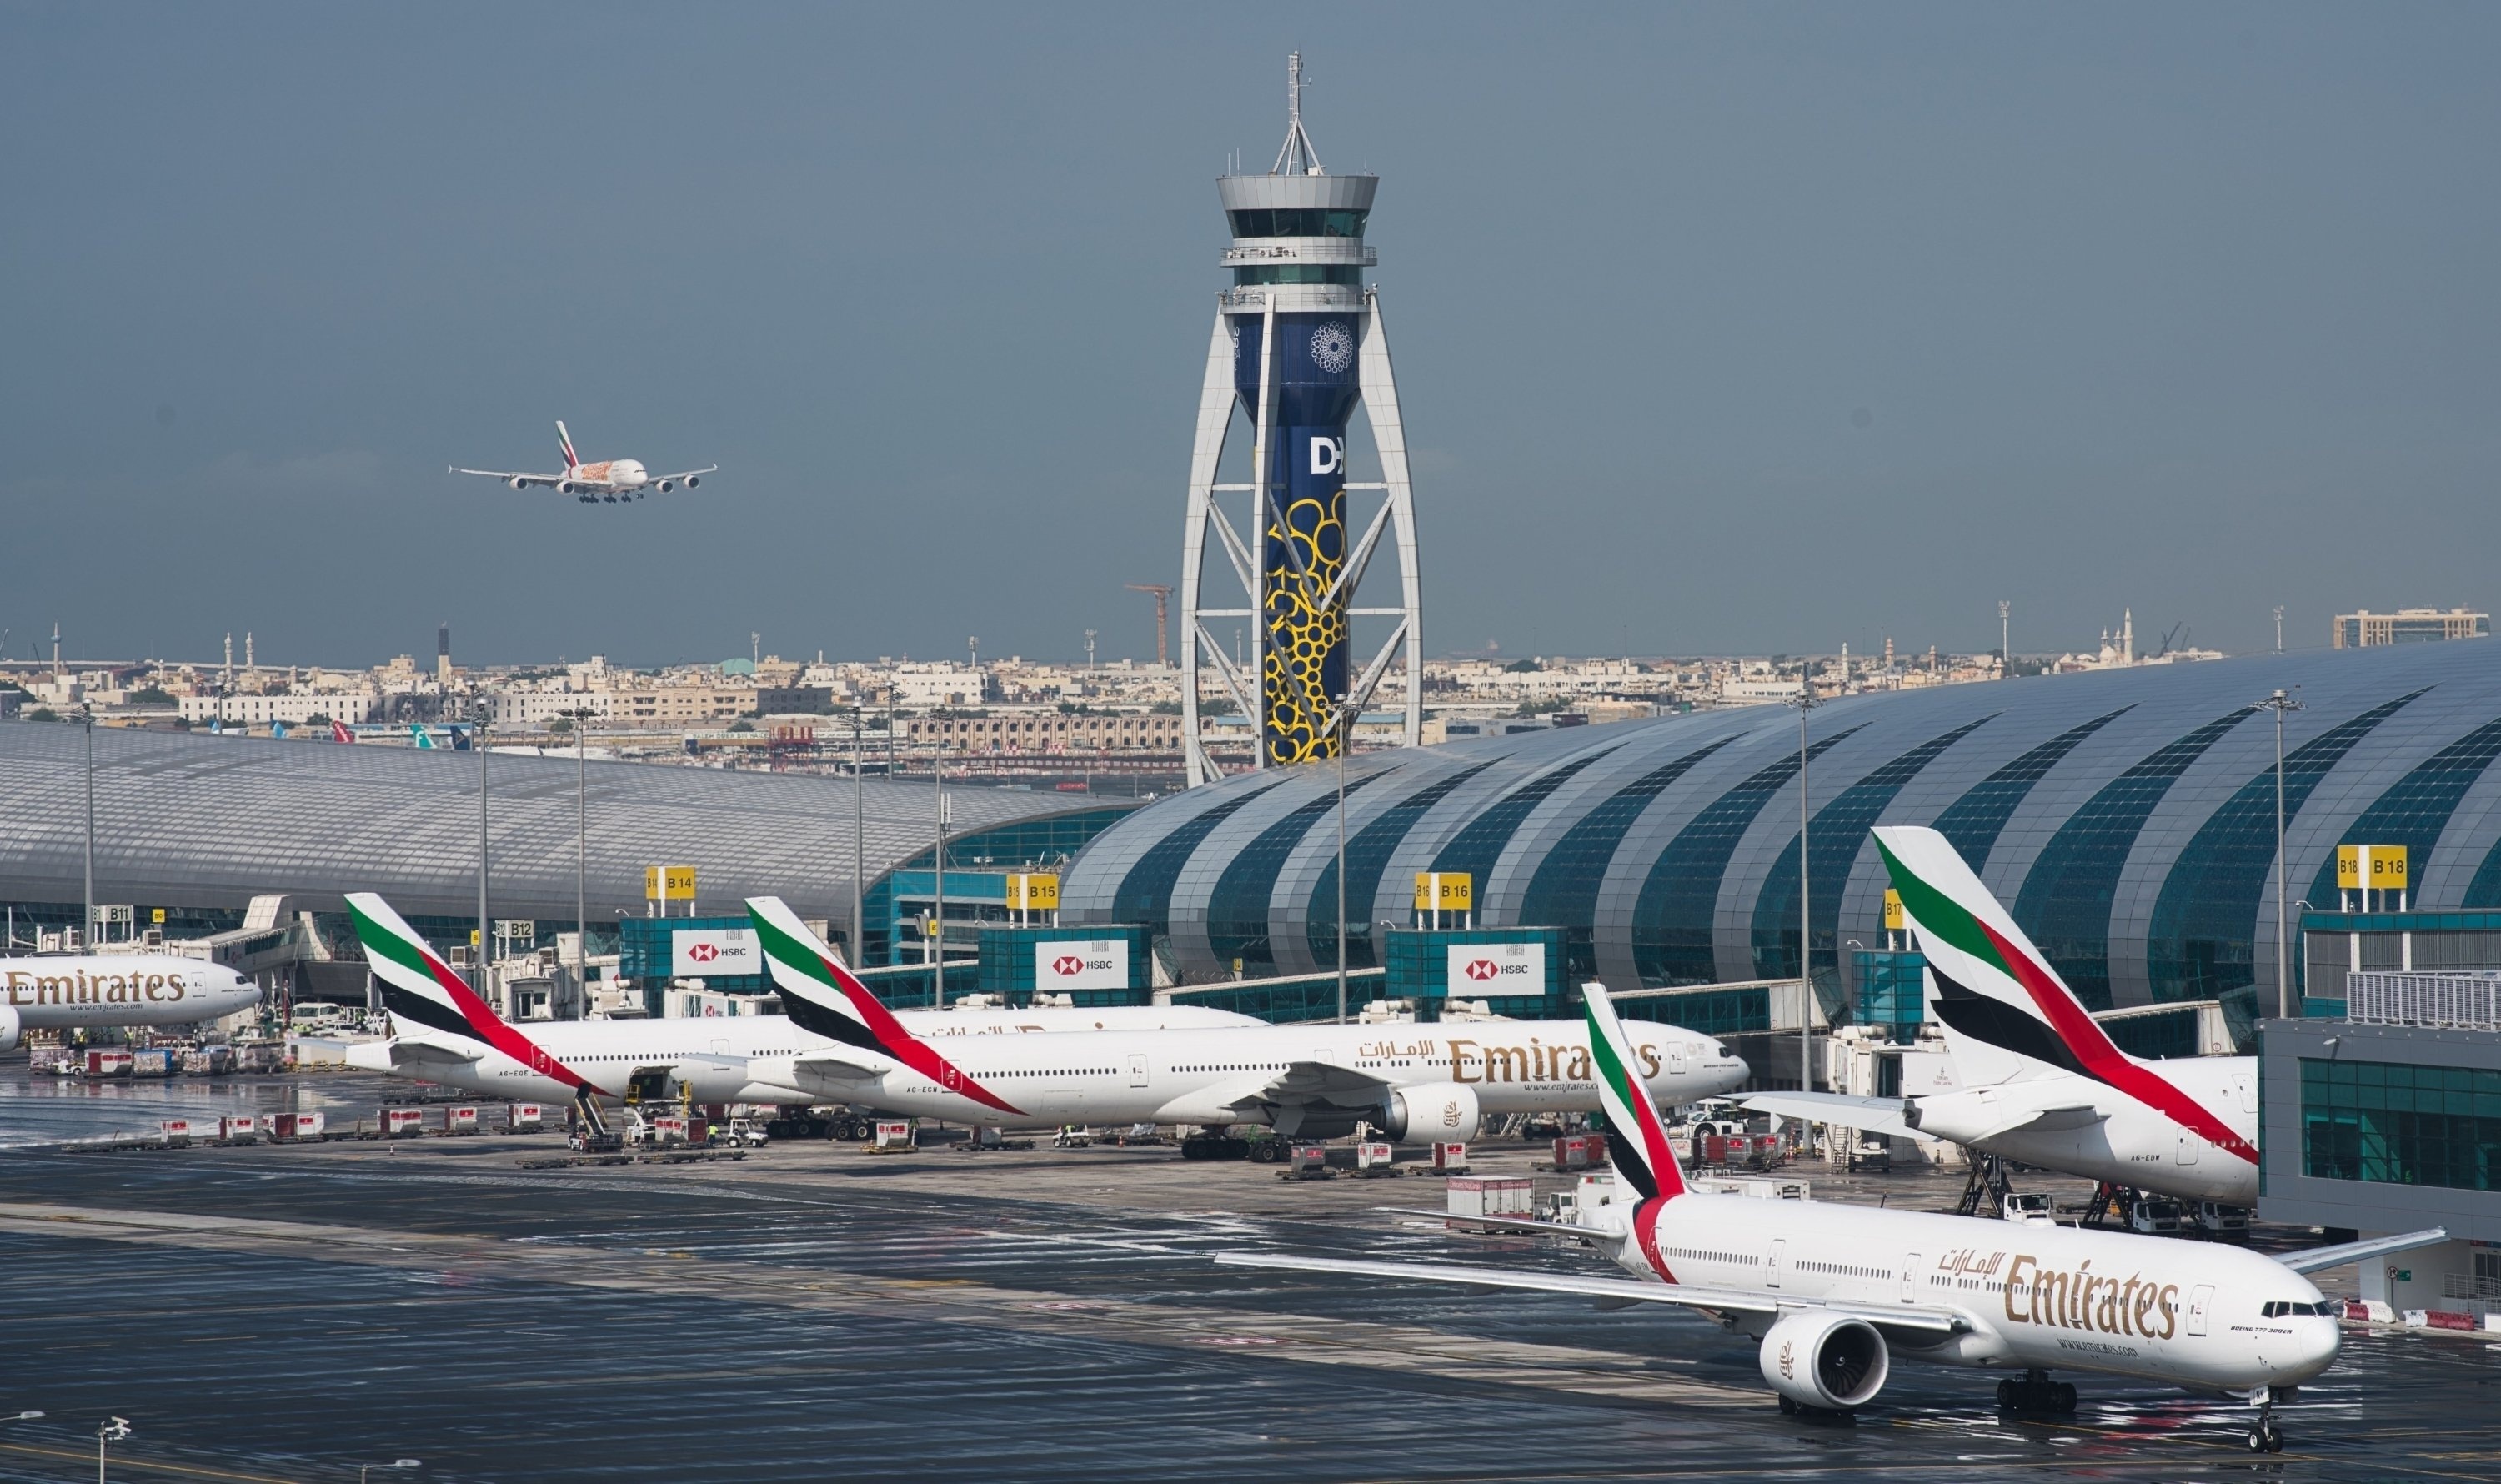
x: 68, y: 992
x: 2133, y: 1144
x: 2030, y: 1295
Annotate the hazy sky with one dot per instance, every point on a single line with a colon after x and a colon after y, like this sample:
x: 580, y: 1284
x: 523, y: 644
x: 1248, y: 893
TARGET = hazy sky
x: 1718, y: 329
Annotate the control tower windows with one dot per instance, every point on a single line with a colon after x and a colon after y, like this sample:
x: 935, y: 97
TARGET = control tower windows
x: 1299, y: 273
x: 1297, y: 221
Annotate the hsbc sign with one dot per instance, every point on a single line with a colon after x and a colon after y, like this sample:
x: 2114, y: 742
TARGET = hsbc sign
x: 1081, y: 965
x: 710, y: 952
x: 1497, y: 968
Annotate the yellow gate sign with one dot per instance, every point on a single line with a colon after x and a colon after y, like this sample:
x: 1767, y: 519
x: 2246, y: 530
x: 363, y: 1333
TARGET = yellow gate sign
x: 1033, y: 890
x: 667, y: 883
x: 1445, y: 891
x: 1893, y: 910
x: 2370, y: 867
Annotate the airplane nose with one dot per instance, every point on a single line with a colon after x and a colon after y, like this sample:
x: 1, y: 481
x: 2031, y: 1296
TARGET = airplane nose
x: 2323, y: 1338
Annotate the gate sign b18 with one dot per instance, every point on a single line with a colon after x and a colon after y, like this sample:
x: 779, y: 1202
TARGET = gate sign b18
x: 1478, y: 970
x: 1080, y: 963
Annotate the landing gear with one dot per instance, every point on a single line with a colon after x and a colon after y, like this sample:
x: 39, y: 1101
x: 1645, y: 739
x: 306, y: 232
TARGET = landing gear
x: 2264, y: 1436
x: 2110, y: 1201
x: 2035, y: 1392
x: 847, y: 1130
x: 1986, y: 1190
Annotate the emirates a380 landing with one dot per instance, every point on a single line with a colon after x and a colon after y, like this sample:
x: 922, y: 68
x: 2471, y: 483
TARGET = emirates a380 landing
x: 608, y: 480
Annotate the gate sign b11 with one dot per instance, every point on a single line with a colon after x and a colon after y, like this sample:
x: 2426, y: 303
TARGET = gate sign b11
x: 1478, y: 969
x: 710, y: 953
x: 1080, y: 964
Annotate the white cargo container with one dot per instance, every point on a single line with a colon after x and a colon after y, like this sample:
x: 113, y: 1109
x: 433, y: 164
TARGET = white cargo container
x: 177, y: 1131
x: 1373, y: 1154
x: 298, y: 1126
x: 239, y: 1129
x: 1449, y: 1158
x: 461, y: 1118
x: 1471, y: 1196
x: 403, y: 1123
x: 893, y: 1133
x: 524, y: 1117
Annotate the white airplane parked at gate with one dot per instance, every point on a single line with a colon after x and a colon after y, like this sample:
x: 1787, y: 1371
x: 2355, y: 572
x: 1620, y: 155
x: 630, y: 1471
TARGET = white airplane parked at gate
x: 1832, y: 1291
x: 2041, y: 1082
x: 71, y: 992
x: 611, y: 480
x: 442, y: 1031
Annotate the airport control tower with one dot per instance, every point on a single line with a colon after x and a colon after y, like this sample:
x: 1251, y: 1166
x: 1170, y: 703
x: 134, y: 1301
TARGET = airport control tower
x: 1298, y: 347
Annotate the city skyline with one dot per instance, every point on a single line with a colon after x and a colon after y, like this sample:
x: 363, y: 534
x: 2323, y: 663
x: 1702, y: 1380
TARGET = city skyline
x: 1850, y: 333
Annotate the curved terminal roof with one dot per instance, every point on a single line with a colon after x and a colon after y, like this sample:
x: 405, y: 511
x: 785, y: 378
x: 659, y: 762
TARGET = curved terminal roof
x: 2126, y: 817
x: 212, y: 822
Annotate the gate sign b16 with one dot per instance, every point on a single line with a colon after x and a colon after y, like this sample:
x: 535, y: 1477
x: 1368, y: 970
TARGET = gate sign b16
x: 1478, y: 969
x: 1080, y: 964
x: 711, y: 952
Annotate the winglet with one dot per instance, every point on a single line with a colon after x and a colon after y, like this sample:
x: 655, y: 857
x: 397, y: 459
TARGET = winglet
x: 418, y: 987
x: 1638, y: 1139
x: 823, y: 998
x: 564, y: 440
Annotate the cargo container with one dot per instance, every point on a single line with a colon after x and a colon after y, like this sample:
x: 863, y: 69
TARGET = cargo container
x: 177, y: 1131
x: 668, y: 1129
x: 1450, y: 1157
x: 298, y: 1126
x: 155, y: 1062
x: 1373, y: 1154
x: 461, y: 1117
x: 523, y: 1118
x: 239, y: 1129
x: 208, y: 1062
x: 107, y: 1061
x: 259, y: 1059
x: 893, y: 1133
x: 1578, y: 1151
x: 403, y: 1123
x: 1471, y: 1196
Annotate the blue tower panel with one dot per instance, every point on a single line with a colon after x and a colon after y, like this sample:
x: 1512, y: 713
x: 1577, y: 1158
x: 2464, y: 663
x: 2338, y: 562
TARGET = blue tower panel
x: 1315, y: 386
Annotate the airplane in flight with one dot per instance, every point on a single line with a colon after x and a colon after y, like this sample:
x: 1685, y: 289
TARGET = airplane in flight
x: 610, y: 480
x: 443, y: 1032
x: 1831, y: 1291
x: 2041, y: 1082
x: 1423, y: 1082
x: 67, y: 991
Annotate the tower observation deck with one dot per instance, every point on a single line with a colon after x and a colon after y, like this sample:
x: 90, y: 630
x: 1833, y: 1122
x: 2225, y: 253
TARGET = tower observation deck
x: 1298, y: 347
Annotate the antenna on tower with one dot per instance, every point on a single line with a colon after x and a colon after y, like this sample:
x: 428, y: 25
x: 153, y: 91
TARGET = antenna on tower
x: 1297, y: 157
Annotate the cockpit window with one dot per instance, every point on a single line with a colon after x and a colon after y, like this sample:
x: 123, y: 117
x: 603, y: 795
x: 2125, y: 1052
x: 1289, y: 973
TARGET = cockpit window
x: 2286, y: 1308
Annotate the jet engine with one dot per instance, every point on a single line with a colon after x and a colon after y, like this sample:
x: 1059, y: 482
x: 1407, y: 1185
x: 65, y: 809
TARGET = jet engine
x: 1437, y: 1112
x: 11, y: 1027
x: 516, y: 482
x: 693, y: 480
x: 1828, y: 1362
x: 666, y: 486
x: 564, y: 486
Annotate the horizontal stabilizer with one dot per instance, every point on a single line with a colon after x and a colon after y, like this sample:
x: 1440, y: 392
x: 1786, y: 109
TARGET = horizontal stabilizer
x: 1868, y: 1115
x: 2046, y: 1120
x: 2319, y: 1258
x: 1510, y: 1223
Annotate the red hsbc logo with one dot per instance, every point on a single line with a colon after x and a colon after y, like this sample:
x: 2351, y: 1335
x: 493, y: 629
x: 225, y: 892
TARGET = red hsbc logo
x: 1482, y: 968
x: 703, y: 953
x: 1068, y: 963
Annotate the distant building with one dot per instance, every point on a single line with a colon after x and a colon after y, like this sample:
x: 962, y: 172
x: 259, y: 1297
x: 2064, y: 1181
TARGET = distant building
x: 2410, y: 626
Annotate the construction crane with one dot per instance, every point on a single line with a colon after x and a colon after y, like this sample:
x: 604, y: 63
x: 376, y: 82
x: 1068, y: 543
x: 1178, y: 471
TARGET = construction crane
x: 1163, y: 597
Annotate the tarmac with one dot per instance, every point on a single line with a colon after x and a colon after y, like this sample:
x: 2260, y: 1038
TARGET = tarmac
x: 817, y: 1311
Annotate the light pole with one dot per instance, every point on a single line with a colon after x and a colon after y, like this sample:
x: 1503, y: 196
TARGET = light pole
x: 113, y: 1430
x: 363, y: 1469
x: 88, y: 927
x: 938, y: 892
x: 1805, y: 703
x: 859, y: 848
x: 478, y: 739
x: 2279, y: 703
x: 580, y: 854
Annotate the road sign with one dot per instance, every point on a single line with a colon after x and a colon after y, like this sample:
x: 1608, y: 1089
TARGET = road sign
x: 1445, y: 891
x: 667, y: 883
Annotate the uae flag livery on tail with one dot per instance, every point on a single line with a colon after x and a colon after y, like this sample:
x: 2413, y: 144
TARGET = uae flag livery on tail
x: 824, y: 997
x: 423, y: 990
x: 1995, y: 989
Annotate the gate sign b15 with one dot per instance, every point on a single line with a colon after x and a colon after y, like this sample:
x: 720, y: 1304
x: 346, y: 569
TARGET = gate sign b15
x: 1478, y: 970
x: 1080, y: 964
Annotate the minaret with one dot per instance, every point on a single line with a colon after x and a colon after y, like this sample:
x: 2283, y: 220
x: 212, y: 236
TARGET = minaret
x: 248, y: 663
x: 229, y: 684
x: 1298, y: 345
x: 2127, y: 636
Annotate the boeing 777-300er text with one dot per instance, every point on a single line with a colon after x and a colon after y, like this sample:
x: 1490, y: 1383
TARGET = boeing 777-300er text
x: 2040, y: 1080
x: 1424, y: 1082
x: 75, y: 991
x: 1831, y: 1291
x: 443, y: 1032
x: 609, y: 478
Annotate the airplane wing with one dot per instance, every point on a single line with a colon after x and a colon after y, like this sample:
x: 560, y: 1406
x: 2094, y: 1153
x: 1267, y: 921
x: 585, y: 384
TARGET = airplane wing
x: 1304, y: 1084
x: 2046, y: 1120
x: 1870, y: 1115
x: 842, y: 1062
x: 682, y: 475
x: 415, y: 1056
x: 2320, y: 1258
x: 549, y: 480
x: 1508, y: 1222
x: 1920, y: 1318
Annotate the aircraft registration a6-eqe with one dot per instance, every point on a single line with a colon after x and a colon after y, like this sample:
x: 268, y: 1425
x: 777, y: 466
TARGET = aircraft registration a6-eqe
x: 2041, y: 1082
x: 608, y: 480
x: 1832, y: 1291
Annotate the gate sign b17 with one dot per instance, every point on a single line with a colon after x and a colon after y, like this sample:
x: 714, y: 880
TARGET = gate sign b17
x: 1080, y: 963
x: 1478, y: 969
x: 710, y: 953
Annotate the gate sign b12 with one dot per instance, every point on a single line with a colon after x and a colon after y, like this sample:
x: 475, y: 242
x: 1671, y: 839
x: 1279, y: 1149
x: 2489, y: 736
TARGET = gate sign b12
x: 1497, y: 968
x: 1080, y: 964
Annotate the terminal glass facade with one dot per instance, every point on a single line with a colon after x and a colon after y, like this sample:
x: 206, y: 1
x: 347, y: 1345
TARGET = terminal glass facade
x: 2397, y: 1123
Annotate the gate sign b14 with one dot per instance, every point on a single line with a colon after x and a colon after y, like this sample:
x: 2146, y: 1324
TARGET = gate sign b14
x: 711, y: 952
x: 1080, y: 963
x: 1479, y: 969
